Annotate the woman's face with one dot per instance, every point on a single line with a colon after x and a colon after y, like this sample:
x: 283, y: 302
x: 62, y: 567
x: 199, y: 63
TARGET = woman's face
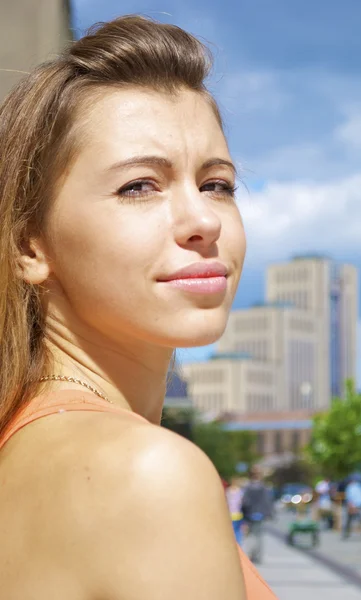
x: 144, y: 238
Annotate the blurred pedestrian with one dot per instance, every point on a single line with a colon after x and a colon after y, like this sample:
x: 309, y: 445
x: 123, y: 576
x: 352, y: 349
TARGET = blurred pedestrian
x: 324, y: 503
x: 234, y: 495
x: 352, y: 505
x: 257, y: 506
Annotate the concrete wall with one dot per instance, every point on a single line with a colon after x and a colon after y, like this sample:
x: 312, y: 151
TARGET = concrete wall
x: 235, y: 386
x: 31, y: 31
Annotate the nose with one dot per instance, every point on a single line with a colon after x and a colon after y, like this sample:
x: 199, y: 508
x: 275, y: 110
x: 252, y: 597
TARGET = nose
x: 196, y: 224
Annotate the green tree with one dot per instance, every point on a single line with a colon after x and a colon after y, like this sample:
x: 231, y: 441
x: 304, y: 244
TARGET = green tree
x: 225, y: 449
x: 179, y: 420
x: 336, y: 436
x: 244, y: 446
x: 298, y: 471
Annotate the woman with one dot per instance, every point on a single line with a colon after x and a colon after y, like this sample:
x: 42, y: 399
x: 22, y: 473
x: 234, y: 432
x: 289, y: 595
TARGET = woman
x: 120, y: 241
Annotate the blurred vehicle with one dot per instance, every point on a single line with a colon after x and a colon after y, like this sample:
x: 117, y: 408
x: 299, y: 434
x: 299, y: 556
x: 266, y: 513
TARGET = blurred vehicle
x: 295, y: 495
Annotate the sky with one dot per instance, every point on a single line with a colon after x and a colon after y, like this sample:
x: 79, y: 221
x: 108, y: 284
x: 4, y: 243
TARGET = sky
x: 287, y: 78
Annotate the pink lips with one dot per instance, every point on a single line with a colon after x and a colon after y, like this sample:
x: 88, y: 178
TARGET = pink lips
x: 201, y: 278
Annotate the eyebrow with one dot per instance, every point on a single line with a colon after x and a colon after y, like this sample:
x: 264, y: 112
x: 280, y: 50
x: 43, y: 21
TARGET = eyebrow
x: 160, y: 161
x: 213, y: 162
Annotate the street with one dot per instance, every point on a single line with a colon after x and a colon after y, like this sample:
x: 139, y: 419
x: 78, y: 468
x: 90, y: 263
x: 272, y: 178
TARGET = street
x: 331, y: 571
x: 293, y: 575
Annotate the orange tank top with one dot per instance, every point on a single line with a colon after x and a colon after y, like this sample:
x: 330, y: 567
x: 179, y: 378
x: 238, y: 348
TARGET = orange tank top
x: 70, y: 400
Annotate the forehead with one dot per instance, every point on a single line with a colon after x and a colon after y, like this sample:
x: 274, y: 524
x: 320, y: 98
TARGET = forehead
x: 127, y: 122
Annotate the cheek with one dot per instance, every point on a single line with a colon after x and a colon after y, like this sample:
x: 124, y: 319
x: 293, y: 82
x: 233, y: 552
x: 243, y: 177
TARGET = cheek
x: 234, y: 236
x: 105, y: 255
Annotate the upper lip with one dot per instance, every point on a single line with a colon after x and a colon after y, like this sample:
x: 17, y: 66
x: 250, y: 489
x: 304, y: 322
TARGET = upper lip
x: 198, y: 270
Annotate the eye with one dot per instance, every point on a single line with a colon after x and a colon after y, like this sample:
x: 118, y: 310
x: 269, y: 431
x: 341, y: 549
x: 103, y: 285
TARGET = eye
x: 135, y: 189
x: 219, y: 187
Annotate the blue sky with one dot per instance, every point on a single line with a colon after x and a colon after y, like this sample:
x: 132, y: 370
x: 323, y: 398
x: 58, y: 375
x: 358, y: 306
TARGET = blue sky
x: 287, y: 77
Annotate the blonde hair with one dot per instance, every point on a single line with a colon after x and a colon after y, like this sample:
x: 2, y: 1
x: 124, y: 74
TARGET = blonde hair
x: 37, y: 143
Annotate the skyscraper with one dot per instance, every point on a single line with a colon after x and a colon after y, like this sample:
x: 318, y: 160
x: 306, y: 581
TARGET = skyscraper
x: 290, y: 354
x: 286, y: 339
x: 329, y: 292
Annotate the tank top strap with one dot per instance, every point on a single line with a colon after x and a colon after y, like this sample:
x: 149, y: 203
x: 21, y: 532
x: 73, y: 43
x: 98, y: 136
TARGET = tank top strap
x: 60, y: 402
x: 256, y: 587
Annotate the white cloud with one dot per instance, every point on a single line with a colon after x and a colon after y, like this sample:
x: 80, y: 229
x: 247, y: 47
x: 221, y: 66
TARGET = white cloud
x: 312, y: 197
x: 298, y: 161
x: 293, y: 123
x: 289, y: 217
x: 332, y: 156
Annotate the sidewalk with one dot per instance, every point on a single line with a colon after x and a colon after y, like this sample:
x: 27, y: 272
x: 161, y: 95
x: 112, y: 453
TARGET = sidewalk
x: 346, y: 553
x: 293, y: 575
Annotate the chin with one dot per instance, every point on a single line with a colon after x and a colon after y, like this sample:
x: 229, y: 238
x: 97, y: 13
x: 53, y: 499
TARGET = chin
x: 196, y: 342
x: 201, y: 333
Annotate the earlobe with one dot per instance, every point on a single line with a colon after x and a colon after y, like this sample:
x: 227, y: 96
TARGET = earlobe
x: 33, y: 263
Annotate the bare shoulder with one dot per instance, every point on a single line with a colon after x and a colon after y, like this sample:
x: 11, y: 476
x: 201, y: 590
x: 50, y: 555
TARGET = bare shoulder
x: 135, y: 459
x: 152, y: 461
x: 109, y: 446
x: 93, y: 446
x: 140, y: 511
x: 160, y: 527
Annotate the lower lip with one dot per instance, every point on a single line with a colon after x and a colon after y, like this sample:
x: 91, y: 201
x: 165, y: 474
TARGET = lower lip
x: 203, y: 285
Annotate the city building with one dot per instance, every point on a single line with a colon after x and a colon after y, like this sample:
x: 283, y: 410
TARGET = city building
x: 177, y: 393
x: 279, y: 438
x: 177, y: 414
x: 233, y: 383
x: 31, y: 31
x: 286, y: 339
x: 290, y: 354
x: 328, y: 291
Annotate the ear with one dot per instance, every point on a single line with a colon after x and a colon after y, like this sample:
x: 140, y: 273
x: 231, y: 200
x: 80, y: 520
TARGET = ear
x: 34, y: 264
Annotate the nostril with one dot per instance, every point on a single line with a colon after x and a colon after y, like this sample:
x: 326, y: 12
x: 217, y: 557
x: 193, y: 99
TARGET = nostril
x: 195, y: 238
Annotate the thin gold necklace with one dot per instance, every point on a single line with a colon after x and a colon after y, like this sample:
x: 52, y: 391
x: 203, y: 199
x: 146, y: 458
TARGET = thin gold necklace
x: 77, y: 381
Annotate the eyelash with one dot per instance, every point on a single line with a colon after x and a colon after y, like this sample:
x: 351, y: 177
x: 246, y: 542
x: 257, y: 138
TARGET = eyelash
x: 125, y: 191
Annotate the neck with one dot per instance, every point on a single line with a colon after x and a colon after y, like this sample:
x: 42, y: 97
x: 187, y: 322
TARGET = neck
x: 132, y: 374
